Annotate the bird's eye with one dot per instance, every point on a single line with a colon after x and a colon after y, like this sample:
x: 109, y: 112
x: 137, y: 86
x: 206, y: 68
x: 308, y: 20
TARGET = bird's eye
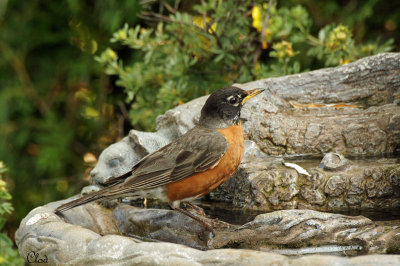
x: 233, y: 100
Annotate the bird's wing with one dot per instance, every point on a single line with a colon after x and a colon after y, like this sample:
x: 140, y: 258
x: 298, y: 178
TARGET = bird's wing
x: 198, y: 150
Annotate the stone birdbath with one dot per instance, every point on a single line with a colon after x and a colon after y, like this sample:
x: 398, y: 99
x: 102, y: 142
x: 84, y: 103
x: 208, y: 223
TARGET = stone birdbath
x: 319, y: 183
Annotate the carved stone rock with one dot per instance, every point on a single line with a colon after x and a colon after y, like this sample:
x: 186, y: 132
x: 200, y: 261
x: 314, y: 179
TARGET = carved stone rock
x: 333, y: 161
x: 93, y: 235
x: 263, y: 185
x: 336, y: 185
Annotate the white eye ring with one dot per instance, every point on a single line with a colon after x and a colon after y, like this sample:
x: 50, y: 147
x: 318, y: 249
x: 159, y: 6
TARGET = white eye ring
x: 233, y: 100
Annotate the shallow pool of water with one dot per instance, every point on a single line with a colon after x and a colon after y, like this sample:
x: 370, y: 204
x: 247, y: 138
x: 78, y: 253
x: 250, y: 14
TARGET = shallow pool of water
x: 225, y: 211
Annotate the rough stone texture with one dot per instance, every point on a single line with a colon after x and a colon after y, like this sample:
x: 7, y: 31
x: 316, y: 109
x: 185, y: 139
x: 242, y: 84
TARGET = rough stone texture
x: 334, y: 161
x: 265, y: 184
x: 336, y: 185
x: 351, y: 131
x: 93, y: 235
x: 62, y: 243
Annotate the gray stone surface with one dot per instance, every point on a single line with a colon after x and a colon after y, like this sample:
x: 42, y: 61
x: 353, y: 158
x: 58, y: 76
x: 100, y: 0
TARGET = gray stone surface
x: 62, y: 243
x: 94, y: 235
x: 116, y: 160
x: 265, y: 184
x: 315, y: 131
x: 334, y: 161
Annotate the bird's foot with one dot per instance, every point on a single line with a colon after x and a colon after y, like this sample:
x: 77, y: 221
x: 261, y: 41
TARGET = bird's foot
x: 210, y: 240
x: 198, y: 210
x: 203, y: 221
x: 216, y: 223
x: 207, y: 234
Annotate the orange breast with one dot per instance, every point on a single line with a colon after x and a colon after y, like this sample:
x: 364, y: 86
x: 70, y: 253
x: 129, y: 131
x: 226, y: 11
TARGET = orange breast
x: 203, y: 183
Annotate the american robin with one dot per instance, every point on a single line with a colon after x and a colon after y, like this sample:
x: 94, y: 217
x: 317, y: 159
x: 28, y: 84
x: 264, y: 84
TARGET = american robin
x: 193, y: 165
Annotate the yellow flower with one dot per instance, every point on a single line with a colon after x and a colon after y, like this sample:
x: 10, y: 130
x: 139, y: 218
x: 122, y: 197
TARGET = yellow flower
x: 283, y: 49
x: 257, y: 25
x: 341, y: 35
x: 121, y: 34
x: 111, y: 54
x: 338, y: 38
x: 264, y: 44
x: 199, y: 22
x: 344, y: 61
x: 289, y: 49
x: 256, y: 15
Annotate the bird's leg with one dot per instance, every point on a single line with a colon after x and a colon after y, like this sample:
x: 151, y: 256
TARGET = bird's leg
x: 175, y: 206
x: 215, y: 223
x: 197, y: 209
x: 201, y: 221
x: 198, y: 219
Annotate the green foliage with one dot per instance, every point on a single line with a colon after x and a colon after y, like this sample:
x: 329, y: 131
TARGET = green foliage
x: 8, y: 255
x: 5, y: 197
x: 55, y: 102
x: 184, y: 57
x: 216, y: 43
x: 336, y: 47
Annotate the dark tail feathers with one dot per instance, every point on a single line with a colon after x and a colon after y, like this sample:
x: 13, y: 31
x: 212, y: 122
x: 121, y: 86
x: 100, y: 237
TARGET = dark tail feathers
x: 83, y: 200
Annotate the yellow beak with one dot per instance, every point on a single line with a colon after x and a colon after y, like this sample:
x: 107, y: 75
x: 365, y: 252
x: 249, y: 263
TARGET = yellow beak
x: 251, y: 94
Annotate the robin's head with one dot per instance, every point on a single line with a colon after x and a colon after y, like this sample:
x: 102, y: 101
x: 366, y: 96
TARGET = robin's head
x: 222, y: 108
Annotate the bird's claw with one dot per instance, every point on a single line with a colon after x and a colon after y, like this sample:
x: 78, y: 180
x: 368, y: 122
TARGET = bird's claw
x: 216, y: 223
x: 210, y: 239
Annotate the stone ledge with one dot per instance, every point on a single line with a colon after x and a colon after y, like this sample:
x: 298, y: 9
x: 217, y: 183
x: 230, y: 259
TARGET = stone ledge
x: 102, y: 242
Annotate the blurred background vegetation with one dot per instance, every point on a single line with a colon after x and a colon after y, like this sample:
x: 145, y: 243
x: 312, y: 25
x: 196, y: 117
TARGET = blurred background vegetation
x: 77, y: 75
